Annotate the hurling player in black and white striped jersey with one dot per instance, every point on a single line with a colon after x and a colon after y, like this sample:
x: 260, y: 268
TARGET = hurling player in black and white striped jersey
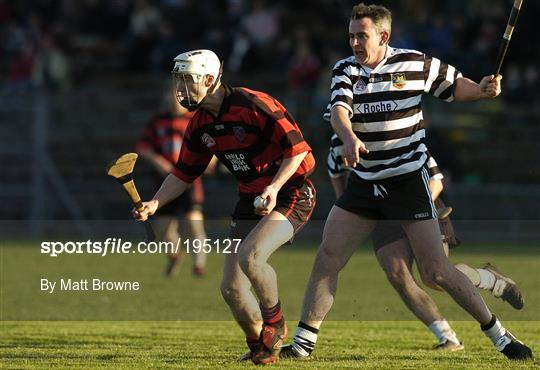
x: 375, y: 109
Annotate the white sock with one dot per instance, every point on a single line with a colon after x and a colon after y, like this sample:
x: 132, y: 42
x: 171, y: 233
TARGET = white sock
x: 496, y: 333
x: 487, y: 279
x: 304, y: 341
x: 442, y: 330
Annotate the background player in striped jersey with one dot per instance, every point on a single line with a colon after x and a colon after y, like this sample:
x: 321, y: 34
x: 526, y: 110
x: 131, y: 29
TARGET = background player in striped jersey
x: 255, y: 137
x: 160, y: 146
x: 376, y: 111
x: 395, y: 256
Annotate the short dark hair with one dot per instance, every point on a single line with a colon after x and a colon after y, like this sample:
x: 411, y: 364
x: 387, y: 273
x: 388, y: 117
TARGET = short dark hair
x: 380, y: 15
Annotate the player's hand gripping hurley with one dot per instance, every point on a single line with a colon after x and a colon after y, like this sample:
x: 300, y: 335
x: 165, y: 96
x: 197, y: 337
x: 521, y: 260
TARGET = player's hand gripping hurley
x: 122, y: 170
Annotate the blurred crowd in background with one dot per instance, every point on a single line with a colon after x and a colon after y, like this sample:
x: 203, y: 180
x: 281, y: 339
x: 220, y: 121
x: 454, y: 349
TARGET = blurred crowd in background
x: 89, y: 74
x: 113, y: 49
x: 61, y: 44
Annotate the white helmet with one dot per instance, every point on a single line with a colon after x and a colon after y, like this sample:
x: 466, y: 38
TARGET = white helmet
x: 197, y: 63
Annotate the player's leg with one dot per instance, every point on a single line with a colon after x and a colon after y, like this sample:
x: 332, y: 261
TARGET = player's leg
x: 166, y: 228
x: 236, y: 291
x: 195, y: 220
x: 267, y: 236
x: 396, y: 259
x: 343, y: 232
x: 293, y: 209
x: 488, y: 277
x: 435, y: 269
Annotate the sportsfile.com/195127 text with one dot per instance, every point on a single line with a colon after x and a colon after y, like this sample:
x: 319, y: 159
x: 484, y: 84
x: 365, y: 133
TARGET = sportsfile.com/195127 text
x: 119, y: 246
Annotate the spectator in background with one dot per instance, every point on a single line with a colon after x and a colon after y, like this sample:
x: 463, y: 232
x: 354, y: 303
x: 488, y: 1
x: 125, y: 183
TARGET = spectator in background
x: 303, y: 72
x: 261, y: 26
x: 52, y: 70
x: 145, y: 23
x: 164, y: 49
x: 440, y: 37
x: 145, y: 18
x: 21, y: 68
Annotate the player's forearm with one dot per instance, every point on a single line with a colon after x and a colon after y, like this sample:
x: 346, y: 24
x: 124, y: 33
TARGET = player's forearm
x: 467, y: 90
x: 171, y: 188
x: 287, y: 169
x: 436, y: 188
x: 341, y: 123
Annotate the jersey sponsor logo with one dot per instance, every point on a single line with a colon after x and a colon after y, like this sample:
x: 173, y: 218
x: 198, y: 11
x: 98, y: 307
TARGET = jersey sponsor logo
x: 239, y: 133
x: 376, y: 107
x: 375, y: 79
x: 360, y: 85
x: 237, y: 161
x: 421, y: 215
x: 208, y: 141
x: 398, y: 80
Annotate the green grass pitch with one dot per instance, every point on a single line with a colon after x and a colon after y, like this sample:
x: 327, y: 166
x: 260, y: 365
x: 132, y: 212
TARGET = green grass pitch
x: 183, y: 322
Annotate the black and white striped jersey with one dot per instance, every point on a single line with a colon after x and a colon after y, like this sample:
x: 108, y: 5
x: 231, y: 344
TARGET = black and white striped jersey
x: 384, y: 106
x: 335, y: 167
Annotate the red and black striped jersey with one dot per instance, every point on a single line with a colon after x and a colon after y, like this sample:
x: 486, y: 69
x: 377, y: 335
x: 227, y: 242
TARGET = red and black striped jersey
x: 164, y: 134
x: 251, y: 136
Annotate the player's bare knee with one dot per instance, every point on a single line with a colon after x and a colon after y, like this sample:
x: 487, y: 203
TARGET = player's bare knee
x: 231, y: 293
x: 326, y: 262
x: 429, y: 281
x: 400, y: 280
x: 249, y: 261
x: 435, y: 277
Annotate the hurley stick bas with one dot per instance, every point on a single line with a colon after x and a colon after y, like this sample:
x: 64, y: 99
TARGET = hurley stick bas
x: 122, y: 170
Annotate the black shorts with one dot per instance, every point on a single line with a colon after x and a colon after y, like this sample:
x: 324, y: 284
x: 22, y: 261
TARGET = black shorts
x: 184, y: 203
x: 404, y: 198
x: 387, y: 232
x: 295, y: 203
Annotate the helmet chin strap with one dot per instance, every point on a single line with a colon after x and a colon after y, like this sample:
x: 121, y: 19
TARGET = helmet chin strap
x: 191, y: 107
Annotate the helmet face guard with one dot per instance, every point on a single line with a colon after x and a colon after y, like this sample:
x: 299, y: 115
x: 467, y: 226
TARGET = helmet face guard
x: 183, y: 80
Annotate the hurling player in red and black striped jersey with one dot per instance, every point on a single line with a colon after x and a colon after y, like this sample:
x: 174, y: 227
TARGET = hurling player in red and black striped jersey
x: 255, y: 137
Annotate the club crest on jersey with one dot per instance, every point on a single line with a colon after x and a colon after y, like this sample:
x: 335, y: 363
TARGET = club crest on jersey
x: 398, y: 80
x: 360, y: 85
x: 207, y: 140
x: 239, y: 133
